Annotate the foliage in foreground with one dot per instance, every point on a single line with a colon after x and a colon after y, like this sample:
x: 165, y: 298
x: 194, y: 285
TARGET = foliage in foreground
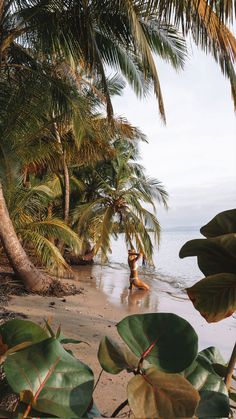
x: 169, y: 377
x: 215, y: 295
x: 161, y: 352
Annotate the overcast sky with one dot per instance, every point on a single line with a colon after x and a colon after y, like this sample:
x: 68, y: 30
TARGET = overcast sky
x: 195, y: 154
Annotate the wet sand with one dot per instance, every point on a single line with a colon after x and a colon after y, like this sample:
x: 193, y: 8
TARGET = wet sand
x: 104, y: 302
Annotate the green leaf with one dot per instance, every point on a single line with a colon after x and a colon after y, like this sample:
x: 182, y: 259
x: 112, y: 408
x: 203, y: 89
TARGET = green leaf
x: 214, y: 255
x: 213, y: 404
x: 15, y: 332
x: 65, y: 341
x: 114, y: 359
x: 201, y: 373
x: 163, y: 339
x: 61, y: 385
x: 222, y: 223
x: 215, y: 296
x: 220, y: 369
x: 212, y: 389
x: 157, y: 394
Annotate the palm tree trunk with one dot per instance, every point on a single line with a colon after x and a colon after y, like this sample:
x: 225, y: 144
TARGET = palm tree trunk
x: 66, y: 177
x: 66, y: 192
x: 66, y: 189
x: 31, y: 277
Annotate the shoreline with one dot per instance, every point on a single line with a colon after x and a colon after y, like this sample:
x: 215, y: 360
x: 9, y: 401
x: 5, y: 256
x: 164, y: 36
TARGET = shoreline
x: 104, y: 301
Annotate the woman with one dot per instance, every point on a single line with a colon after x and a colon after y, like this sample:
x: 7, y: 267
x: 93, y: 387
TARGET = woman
x: 133, y: 258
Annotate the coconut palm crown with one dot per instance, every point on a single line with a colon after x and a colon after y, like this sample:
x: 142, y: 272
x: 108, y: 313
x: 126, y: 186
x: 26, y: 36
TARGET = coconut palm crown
x: 119, y: 196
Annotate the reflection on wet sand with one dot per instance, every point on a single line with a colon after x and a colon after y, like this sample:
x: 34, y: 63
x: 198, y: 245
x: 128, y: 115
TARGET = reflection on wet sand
x: 162, y: 297
x: 114, y: 284
x: 137, y: 298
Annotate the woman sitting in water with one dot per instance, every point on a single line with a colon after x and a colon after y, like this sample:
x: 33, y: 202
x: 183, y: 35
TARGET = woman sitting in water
x: 133, y: 258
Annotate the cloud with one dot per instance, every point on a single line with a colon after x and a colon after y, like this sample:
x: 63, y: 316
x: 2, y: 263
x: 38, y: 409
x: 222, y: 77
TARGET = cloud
x: 196, y: 151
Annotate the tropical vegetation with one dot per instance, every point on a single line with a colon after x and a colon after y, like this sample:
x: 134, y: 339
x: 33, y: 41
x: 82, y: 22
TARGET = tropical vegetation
x: 71, y: 179
x: 215, y: 295
x: 169, y: 377
x: 57, y: 122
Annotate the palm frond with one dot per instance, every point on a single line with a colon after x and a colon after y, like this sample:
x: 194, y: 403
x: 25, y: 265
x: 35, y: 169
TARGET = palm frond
x: 56, y: 229
x: 46, y: 251
x: 104, y: 232
x: 147, y: 58
x: 166, y: 41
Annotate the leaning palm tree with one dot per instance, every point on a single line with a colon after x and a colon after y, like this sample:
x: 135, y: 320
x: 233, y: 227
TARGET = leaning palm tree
x: 118, y: 197
x: 36, y: 226
x: 89, y: 35
x: 25, y: 109
x: 29, y: 143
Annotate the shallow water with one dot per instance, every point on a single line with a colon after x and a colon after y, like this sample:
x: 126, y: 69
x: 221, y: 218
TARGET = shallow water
x: 170, y: 273
x: 167, y: 282
x: 167, y: 263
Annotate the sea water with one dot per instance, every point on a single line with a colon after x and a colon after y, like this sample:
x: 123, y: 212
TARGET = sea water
x: 167, y: 264
x: 167, y: 280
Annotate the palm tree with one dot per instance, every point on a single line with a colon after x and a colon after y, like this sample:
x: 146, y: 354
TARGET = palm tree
x: 36, y: 227
x: 122, y: 34
x: 88, y: 35
x: 116, y: 199
x: 25, y: 109
x: 29, y: 144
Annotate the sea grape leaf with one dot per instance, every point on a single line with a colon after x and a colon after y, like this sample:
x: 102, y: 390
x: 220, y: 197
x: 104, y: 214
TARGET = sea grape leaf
x: 61, y: 385
x: 114, y: 358
x: 201, y: 373
x: 220, y: 369
x: 157, y: 394
x: 215, y: 296
x: 15, y: 332
x: 16, y: 348
x: 163, y: 339
x: 222, y: 223
x: 211, y: 386
x: 214, y: 255
x: 65, y: 341
x: 213, y: 404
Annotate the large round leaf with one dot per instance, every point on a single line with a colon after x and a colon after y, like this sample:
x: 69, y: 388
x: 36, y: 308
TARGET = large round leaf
x: 156, y: 394
x: 163, y: 339
x: 114, y: 358
x: 222, y: 223
x: 215, y: 296
x: 18, y: 331
x: 214, y: 255
x: 59, y: 384
x: 213, y: 405
x: 201, y: 372
x: 212, y: 389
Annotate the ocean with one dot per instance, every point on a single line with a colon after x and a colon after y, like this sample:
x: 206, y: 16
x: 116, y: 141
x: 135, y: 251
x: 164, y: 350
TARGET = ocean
x: 167, y: 264
x: 167, y: 280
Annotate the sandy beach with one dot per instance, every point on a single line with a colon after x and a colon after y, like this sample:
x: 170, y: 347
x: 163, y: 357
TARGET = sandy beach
x: 105, y: 300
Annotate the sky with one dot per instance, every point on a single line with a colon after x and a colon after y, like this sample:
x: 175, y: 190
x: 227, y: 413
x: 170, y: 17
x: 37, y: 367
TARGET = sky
x: 194, y: 155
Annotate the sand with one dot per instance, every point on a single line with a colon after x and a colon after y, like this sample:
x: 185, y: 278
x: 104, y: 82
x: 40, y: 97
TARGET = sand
x: 104, y: 302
